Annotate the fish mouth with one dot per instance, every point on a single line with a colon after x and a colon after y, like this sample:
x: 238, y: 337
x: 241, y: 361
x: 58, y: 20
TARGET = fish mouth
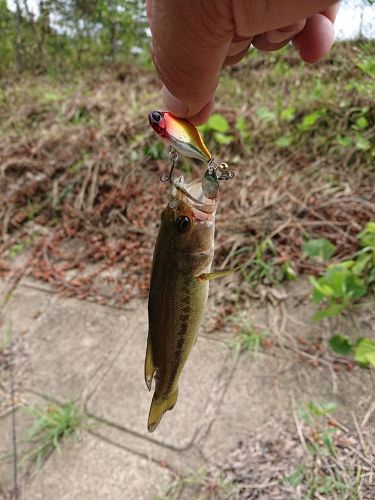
x: 201, y: 194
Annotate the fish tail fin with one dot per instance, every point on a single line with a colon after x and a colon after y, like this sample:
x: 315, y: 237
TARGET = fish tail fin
x: 149, y: 365
x: 158, y: 408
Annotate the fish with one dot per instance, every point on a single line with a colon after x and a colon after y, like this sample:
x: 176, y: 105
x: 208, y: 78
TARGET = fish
x: 180, y: 275
x: 180, y: 134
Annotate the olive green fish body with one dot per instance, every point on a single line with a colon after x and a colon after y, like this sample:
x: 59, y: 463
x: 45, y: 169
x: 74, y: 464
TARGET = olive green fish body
x: 183, y: 252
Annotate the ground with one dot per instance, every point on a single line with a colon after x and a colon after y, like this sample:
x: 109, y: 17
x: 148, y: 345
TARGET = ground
x: 228, y: 404
x: 266, y: 408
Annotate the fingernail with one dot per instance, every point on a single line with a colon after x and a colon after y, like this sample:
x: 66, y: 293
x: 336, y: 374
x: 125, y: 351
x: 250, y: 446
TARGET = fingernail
x: 174, y: 105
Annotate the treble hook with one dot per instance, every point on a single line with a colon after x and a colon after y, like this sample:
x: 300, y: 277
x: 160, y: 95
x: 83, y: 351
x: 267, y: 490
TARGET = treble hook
x: 167, y: 176
x: 225, y: 173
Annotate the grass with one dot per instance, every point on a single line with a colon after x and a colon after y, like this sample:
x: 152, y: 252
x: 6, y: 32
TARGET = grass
x: 6, y: 337
x: 249, y: 337
x: 51, y: 426
x: 294, y: 134
x: 201, y: 485
x: 320, y: 459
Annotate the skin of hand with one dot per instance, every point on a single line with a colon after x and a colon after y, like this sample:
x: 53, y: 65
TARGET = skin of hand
x: 193, y: 39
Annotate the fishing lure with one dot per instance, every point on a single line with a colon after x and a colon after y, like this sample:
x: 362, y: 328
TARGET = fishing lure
x: 184, y: 138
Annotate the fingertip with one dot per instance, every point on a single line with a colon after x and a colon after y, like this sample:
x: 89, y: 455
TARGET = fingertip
x: 173, y: 104
x: 316, y: 39
x: 203, y: 115
x: 182, y: 110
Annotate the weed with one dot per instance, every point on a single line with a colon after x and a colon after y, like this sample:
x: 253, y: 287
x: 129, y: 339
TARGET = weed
x: 316, y: 484
x: 315, y: 481
x: 249, y: 337
x: 18, y: 248
x: 51, y: 426
x: 6, y: 338
x: 337, y: 290
x: 204, y: 487
x: 320, y: 249
x: 217, y: 127
x: 312, y: 410
x: 363, y: 349
x: 345, y: 283
x: 156, y: 151
x: 266, y: 265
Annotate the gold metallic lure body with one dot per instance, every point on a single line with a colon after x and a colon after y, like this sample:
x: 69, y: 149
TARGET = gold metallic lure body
x: 180, y: 134
x: 179, y: 286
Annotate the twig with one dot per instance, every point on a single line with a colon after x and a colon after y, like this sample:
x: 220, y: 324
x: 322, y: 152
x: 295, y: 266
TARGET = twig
x: 298, y: 424
x: 369, y: 412
x: 359, y: 432
x: 14, y: 432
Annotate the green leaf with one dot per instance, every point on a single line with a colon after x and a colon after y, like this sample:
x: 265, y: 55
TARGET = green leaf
x: 311, y: 119
x: 361, y: 263
x: 368, y: 67
x: 223, y: 139
x: 218, y: 123
x: 355, y: 286
x: 284, y: 141
x: 52, y: 96
x: 361, y: 123
x: 242, y: 127
x: 367, y: 236
x: 296, y: 477
x: 341, y: 344
x: 321, y: 249
x: 321, y: 409
x: 289, y: 271
x: 364, y: 352
x: 288, y: 113
x: 320, y: 289
x: 343, y: 140
x: 266, y: 115
x: 362, y: 144
x: 329, y: 312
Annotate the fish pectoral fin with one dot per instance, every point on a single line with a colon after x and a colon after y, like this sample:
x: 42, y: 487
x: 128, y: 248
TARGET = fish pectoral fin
x: 218, y: 274
x: 150, y: 368
x: 158, y: 408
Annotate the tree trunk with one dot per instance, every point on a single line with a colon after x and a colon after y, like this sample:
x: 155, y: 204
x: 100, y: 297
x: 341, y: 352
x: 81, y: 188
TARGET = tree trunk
x: 20, y: 50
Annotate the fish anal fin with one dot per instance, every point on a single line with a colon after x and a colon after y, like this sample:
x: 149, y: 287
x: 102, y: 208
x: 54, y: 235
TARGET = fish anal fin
x: 216, y: 274
x: 158, y: 408
x: 149, y: 365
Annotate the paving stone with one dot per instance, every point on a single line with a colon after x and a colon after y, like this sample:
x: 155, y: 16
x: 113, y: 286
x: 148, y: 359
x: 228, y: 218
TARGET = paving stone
x: 22, y: 314
x: 123, y: 399
x: 25, y: 310
x: 72, y: 345
x: 93, y: 469
x: 261, y: 390
x: 5, y: 455
x: 23, y: 420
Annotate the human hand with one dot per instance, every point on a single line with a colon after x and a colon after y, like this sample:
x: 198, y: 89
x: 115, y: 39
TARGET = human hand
x: 193, y: 39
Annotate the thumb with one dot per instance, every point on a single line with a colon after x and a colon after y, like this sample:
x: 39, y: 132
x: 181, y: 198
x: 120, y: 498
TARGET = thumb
x: 190, y: 42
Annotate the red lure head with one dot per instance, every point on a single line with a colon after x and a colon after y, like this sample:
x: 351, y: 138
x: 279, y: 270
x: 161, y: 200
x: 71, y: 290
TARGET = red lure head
x: 157, y: 122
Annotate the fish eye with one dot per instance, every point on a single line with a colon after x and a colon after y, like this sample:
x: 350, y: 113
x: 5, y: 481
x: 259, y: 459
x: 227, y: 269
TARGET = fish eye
x: 183, y: 224
x: 156, y: 116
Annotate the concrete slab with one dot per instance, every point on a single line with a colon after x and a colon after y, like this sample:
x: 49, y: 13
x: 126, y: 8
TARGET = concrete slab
x: 93, y: 469
x: 72, y: 345
x: 261, y: 390
x: 124, y: 401
x: 23, y: 420
x: 22, y: 314
x: 25, y: 309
